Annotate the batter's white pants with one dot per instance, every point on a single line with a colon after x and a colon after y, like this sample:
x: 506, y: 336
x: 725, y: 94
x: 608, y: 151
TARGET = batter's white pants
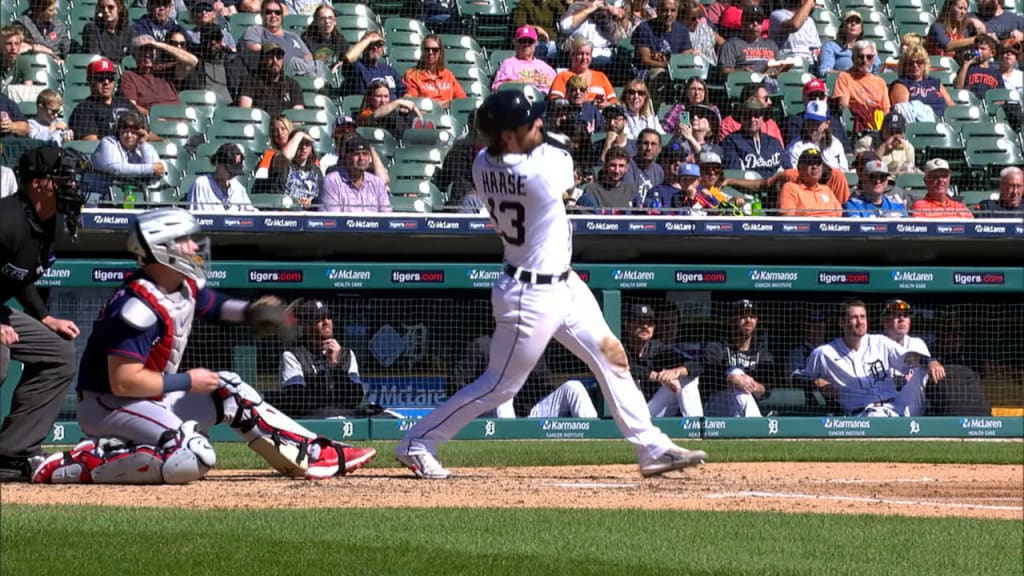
x: 527, y: 317
x: 686, y: 402
x: 570, y: 399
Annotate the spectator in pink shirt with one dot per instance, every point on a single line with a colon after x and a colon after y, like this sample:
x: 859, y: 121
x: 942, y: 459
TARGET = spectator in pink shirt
x: 350, y: 187
x: 523, y: 68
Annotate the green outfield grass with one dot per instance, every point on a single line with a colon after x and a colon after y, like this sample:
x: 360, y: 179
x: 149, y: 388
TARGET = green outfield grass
x: 84, y: 541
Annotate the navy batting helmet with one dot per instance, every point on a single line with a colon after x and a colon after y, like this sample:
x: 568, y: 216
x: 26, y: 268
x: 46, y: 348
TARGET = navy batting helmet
x: 506, y: 110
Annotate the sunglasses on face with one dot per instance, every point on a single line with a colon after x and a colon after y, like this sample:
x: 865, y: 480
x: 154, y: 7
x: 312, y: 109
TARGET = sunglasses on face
x: 525, y: 42
x: 918, y: 62
x: 863, y: 57
x: 103, y: 79
x: 179, y: 43
x: 878, y: 177
x: 635, y: 93
x: 431, y: 49
x: 377, y: 45
x: 711, y: 169
x: 273, y: 12
x: 130, y: 129
x: 274, y: 56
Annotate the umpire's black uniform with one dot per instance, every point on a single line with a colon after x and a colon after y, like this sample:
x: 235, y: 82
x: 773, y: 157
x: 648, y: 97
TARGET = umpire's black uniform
x: 48, y: 360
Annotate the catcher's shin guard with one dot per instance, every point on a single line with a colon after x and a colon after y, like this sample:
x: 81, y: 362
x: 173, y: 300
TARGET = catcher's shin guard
x: 183, y: 455
x: 287, y: 446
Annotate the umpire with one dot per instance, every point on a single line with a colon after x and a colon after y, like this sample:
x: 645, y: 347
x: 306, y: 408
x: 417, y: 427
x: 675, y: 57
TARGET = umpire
x: 47, y: 184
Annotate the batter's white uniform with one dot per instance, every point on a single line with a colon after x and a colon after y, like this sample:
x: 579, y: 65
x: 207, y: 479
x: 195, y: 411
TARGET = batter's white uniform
x: 541, y: 299
x: 865, y: 377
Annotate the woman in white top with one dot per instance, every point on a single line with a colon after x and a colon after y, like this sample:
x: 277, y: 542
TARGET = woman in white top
x: 639, y: 109
x: 125, y: 156
x: 816, y: 133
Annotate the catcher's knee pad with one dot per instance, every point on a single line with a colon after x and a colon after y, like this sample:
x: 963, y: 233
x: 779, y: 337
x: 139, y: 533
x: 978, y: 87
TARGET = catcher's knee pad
x: 290, y: 448
x: 183, y: 456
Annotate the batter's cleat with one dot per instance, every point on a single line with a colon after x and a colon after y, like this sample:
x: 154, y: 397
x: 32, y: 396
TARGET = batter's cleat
x: 62, y: 467
x: 356, y: 458
x: 424, y: 466
x: 675, y: 458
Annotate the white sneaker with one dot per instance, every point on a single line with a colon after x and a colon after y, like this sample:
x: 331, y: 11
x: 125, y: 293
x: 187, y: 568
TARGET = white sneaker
x: 675, y: 458
x: 424, y: 466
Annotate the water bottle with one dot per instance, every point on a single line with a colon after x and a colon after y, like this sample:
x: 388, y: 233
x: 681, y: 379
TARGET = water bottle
x: 129, y: 198
x: 755, y: 206
x: 655, y: 202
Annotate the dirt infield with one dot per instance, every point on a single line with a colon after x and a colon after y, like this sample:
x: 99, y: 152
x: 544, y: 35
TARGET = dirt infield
x: 975, y: 491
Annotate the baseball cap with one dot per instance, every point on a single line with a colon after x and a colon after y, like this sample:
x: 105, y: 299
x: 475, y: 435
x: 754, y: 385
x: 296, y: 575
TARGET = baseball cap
x: 674, y: 152
x: 936, y: 165
x: 852, y: 14
x: 816, y: 110
x: 752, y: 13
x: 876, y: 167
x: 311, y: 311
x: 810, y: 156
x: 689, y: 169
x: 228, y: 154
x: 640, y: 312
x: 101, y: 66
x: 344, y: 120
x: 271, y: 48
x: 202, y: 6
x: 894, y: 121
x: 896, y: 306
x: 709, y: 157
x: 39, y: 162
x: 864, y: 157
x: 815, y: 85
x: 613, y: 111
x: 356, y: 145
x: 743, y: 306
x: 525, y: 32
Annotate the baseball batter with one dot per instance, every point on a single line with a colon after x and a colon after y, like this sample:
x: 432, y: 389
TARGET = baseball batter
x: 522, y: 176
x: 147, y: 420
x: 859, y: 369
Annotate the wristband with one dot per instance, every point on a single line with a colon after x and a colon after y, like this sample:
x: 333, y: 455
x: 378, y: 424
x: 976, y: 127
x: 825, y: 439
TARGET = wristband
x: 177, y: 382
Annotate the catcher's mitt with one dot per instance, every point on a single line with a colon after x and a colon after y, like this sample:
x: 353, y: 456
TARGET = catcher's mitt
x: 268, y: 316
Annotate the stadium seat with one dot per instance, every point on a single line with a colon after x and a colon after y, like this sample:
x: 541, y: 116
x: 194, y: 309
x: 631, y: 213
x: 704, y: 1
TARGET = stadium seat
x: 297, y: 23
x: 307, y: 119
x: 169, y: 150
x: 320, y: 102
x: 280, y: 202
x: 385, y: 8
x: 398, y: 24
x: 247, y: 135
x: 242, y: 20
x: 351, y: 104
x: 496, y: 57
x: 995, y: 98
x: 346, y: 10
x: 404, y: 57
x: 987, y: 156
x: 403, y: 38
x: 682, y: 67
x: 454, y: 42
x: 382, y: 141
x: 419, y: 154
x: 936, y: 140
x: 909, y: 20
x: 255, y: 117
x: 965, y: 113
x: 735, y: 82
x: 86, y: 147
x: 434, y: 137
x: 174, y: 130
x: 199, y: 118
x: 405, y: 203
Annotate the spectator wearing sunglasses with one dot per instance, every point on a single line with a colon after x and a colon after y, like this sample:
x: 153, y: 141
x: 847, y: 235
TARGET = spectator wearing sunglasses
x: 123, y: 156
x: 142, y: 86
x: 47, y: 124
x: 158, y: 21
x: 296, y: 53
x: 872, y: 200
x: 94, y: 117
x: 429, y: 78
x: 808, y: 197
x: 203, y: 12
x: 815, y: 90
x: 523, y: 67
x: 865, y: 94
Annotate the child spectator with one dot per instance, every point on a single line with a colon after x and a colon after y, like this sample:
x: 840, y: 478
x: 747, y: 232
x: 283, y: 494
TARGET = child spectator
x: 47, y: 125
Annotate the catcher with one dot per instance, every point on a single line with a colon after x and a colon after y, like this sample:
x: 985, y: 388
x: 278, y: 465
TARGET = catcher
x: 145, y: 419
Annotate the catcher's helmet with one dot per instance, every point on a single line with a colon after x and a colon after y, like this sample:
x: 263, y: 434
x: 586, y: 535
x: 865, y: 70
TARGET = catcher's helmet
x: 506, y: 110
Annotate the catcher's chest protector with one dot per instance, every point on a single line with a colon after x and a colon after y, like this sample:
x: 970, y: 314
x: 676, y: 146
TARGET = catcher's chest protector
x: 175, y: 311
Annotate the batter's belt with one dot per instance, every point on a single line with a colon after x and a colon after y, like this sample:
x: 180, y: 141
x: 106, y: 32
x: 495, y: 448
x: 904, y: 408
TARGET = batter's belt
x: 531, y: 277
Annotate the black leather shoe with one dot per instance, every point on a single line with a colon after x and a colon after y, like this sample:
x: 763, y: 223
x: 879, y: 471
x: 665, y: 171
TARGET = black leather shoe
x: 15, y: 470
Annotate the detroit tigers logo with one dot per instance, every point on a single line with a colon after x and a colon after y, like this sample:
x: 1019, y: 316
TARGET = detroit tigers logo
x: 877, y: 371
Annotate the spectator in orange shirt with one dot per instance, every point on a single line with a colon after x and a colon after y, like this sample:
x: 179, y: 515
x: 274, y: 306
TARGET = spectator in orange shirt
x: 861, y: 91
x: 601, y: 91
x: 808, y: 197
x: 429, y: 78
x: 937, y: 203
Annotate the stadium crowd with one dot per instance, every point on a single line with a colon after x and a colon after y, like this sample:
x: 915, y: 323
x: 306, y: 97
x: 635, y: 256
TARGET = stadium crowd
x: 857, y: 108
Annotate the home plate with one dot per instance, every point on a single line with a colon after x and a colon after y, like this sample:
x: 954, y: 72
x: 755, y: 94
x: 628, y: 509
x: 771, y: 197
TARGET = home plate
x: 589, y: 485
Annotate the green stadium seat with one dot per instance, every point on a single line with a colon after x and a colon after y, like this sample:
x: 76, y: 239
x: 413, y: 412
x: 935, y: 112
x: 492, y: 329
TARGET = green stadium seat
x: 320, y: 102
x: 280, y: 202
x: 965, y: 113
x: 454, y: 42
x: 237, y: 115
x: 174, y: 130
x: 404, y: 57
x: 307, y: 119
x: 86, y: 147
x: 242, y: 20
x: 382, y: 141
x: 682, y: 67
x: 987, y: 156
x: 997, y: 97
x: 246, y: 135
x: 420, y: 154
x: 735, y: 82
x: 398, y: 24
x: 496, y: 57
x: 345, y: 10
x: 297, y: 23
x: 182, y: 113
x: 435, y: 137
x: 403, y: 38
x: 411, y: 171
x: 169, y: 150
